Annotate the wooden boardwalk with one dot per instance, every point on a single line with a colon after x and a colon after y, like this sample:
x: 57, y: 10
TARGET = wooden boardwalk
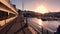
x: 17, y: 26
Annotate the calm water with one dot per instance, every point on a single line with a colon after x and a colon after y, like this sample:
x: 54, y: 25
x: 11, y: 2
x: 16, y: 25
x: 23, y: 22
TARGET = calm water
x: 49, y: 24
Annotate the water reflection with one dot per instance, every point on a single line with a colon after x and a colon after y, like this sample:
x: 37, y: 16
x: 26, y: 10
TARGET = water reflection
x: 49, y: 24
x: 35, y: 20
x: 39, y: 21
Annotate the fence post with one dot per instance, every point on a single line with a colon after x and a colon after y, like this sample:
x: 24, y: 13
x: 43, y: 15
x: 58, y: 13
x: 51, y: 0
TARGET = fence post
x: 42, y: 30
x: 47, y: 32
x: 27, y: 21
x: 5, y: 21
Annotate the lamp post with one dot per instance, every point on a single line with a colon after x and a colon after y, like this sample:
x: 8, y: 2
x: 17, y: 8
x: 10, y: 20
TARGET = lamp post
x: 23, y: 5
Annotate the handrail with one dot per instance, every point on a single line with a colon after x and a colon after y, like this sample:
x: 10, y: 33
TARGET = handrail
x: 10, y: 25
x: 38, y: 32
x: 35, y: 29
x: 46, y: 28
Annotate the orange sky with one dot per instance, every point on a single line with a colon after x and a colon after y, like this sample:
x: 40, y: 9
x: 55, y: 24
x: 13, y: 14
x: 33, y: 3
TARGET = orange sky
x: 51, y: 5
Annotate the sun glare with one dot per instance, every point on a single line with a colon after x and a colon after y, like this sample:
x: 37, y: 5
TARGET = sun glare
x: 41, y: 9
x: 40, y: 22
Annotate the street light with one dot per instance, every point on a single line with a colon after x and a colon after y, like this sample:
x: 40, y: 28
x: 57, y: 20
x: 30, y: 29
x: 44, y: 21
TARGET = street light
x: 23, y: 5
x: 23, y: 10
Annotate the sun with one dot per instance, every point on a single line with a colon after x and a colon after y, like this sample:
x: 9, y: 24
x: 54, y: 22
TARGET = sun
x: 41, y: 9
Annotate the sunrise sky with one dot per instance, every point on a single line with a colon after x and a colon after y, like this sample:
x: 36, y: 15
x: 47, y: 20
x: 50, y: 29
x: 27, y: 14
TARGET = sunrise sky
x: 50, y: 5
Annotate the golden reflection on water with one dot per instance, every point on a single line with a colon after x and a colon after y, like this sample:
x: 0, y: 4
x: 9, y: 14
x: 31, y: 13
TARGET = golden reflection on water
x: 35, y: 20
x: 39, y: 22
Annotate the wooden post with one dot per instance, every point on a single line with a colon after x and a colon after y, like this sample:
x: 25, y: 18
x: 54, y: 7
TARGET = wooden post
x: 26, y: 21
x: 5, y: 21
x: 42, y: 30
x: 47, y: 32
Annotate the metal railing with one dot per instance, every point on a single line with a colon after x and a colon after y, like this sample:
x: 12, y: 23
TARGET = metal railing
x: 40, y: 29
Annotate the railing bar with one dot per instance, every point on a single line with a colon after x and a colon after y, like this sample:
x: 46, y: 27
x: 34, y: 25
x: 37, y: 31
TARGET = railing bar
x: 35, y: 28
x: 45, y: 28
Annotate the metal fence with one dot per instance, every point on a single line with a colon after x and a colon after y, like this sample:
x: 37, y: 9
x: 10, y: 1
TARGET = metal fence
x: 40, y: 29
